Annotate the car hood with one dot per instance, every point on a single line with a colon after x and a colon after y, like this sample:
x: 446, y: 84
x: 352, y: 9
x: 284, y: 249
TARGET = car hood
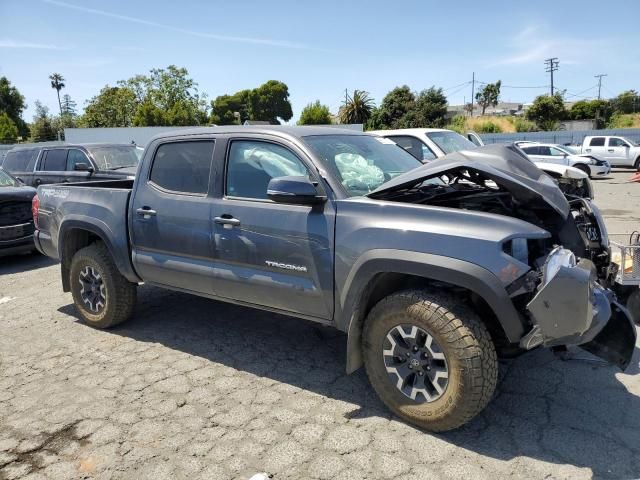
x: 22, y: 193
x: 502, y: 164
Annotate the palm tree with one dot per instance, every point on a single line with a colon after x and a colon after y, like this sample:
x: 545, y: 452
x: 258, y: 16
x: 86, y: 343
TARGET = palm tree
x: 57, y: 82
x: 356, y: 109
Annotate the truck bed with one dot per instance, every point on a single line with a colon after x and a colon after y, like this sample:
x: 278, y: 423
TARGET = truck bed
x: 101, y: 207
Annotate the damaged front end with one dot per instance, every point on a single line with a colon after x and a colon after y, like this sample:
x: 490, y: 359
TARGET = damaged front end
x: 564, y: 298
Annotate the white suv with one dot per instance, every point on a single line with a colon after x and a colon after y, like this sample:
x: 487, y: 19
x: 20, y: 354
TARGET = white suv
x: 559, y: 154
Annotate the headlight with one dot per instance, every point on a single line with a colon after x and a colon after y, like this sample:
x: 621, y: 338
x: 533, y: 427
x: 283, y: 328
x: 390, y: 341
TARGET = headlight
x: 558, y: 258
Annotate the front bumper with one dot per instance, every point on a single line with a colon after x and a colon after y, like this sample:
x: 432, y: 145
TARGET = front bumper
x: 572, y: 309
x: 16, y: 239
x: 600, y: 170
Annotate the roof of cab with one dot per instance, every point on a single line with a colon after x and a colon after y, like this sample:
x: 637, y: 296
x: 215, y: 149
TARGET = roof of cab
x: 277, y: 130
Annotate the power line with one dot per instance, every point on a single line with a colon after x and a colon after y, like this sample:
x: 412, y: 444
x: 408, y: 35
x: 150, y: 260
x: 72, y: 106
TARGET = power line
x: 456, y: 86
x: 599, y: 77
x: 551, y: 66
x: 515, y: 86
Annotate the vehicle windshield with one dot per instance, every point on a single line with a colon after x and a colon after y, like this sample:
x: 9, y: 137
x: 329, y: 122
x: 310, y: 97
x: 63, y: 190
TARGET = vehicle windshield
x: 113, y: 157
x: 7, y: 180
x: 450, y: 142
x: 569, y: 149
x: 361, y: 162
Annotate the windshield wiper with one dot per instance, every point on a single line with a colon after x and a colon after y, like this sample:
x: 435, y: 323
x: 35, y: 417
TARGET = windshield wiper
x: 122, y: 166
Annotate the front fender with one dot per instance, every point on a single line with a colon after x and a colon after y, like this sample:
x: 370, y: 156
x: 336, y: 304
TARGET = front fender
x: 350, y: 314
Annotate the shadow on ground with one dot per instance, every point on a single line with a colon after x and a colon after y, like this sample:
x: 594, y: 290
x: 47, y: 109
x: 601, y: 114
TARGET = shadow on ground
x: 574, y: 412
x: 24, y: 263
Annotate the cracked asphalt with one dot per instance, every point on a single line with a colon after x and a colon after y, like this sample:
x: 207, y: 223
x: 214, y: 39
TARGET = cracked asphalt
x: 193, y: 388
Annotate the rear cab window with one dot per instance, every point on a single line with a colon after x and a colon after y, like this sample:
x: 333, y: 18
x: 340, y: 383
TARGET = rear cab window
x: 597, y: 142
x: 183, y: 167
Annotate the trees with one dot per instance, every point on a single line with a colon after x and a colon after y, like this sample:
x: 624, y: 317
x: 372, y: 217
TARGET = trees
x: 68, y: 105
x: 315, y: 114
x: 546, y: 111
x: 600, y: 110
x: 12, y: 103
x: 402, y: 108
x: 268, y: 102
x: 112, y: 107
x: 489, y: 95
x: 356, y: 108
x: 627, y: 102
x: 57, y: 83
x: 431, y: 108
x: 8, y: 129
x: 41, y: 128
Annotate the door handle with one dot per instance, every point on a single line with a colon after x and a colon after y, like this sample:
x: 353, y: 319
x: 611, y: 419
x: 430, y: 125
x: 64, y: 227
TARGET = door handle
x: 610, y: 150
x: 588, y: 150
x: 146, y: 212
x: 227, y: 220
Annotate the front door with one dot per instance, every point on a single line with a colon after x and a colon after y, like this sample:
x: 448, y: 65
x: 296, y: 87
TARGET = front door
x: 74, y: 157
x: 171, y: 217
x: 274, y: 255
x: 618, y: 152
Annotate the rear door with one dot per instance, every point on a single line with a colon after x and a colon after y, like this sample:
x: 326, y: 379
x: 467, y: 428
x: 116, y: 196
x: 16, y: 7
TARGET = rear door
x: 51, y: 167
x: 270, y: 254
x: 618, y: 152
x: 171, y: 216
x: 596, y: 145
x: 534, y: 152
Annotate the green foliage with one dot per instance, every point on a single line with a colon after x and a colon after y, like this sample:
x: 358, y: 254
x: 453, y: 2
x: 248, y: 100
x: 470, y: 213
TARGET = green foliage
x: 619, y: 120
x: 402, y: 108
x: 57, y: 83
x: 12, y: 103
x: 42, y: 129
x: 547, y: 111
x: 600, y: 110
x: 315, y: 114
x: 268, y: 102
x: 626, y: 102
x: 524, y: 125
x: 68, y: 106
x: 489, y: 95
x: 488, y: 127
x: 112, y: 107
x: 457, y: 124
x: 357, y: 108
x: 8, y: 129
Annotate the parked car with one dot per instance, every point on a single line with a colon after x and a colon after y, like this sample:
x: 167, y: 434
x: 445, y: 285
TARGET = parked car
x: 432, y: 270
x: 618, y: 151
x: 428, y: 144
x: 72, y: 163
x: 16, y: 220
x: 551, y: 153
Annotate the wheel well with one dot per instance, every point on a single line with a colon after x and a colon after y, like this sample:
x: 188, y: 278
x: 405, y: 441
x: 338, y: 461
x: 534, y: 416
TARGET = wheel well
x: 74, y: 239
x: 384, y: 284
x: 584, y: 167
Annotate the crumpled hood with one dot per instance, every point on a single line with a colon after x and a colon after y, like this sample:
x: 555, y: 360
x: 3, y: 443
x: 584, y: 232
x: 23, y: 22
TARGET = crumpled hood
x: 502, y: 164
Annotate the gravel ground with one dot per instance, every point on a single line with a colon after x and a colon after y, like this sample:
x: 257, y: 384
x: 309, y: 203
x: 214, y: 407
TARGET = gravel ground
x: 192, y: 388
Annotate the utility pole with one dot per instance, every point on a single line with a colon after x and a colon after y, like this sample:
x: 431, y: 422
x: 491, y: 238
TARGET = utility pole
x: 473, y: 86
x: 599, y: 77
x: 552, y: 66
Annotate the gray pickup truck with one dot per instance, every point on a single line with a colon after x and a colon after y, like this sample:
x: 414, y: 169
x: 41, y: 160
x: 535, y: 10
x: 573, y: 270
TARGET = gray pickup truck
x: 433, y: 271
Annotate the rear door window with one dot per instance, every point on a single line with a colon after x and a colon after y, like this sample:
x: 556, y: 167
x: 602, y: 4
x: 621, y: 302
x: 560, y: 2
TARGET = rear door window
x: 54, y: 161
x: 531, y: 150
x: 183, y: 167
x: 597, y: 142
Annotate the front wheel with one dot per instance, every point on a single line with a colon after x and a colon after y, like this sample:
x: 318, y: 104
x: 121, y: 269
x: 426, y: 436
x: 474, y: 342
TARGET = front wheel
x: 102, y: 296
x: 584, y: 168
x: 637, y: 164
x: 430, y: 359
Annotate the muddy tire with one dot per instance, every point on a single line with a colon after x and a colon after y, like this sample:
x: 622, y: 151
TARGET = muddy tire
x: 102, y: 296
x: 429, y: 358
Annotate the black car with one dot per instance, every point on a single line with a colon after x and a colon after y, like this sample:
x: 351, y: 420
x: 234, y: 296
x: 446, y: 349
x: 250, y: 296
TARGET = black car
x: 16, y: 221
x: 72, y: 163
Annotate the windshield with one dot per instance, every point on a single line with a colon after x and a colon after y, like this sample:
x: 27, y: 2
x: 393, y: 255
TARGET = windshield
x: 361, y: 162
x: 450, y: 142
x: 115, y: 156
x: 7, y: 180
x: 571, y: 150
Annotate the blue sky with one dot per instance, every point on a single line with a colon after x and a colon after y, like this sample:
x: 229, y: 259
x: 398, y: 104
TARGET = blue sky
x: 320, y: 48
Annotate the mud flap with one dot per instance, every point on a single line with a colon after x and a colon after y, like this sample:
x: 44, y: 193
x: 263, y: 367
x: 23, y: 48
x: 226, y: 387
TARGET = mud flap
x: 617, y: 340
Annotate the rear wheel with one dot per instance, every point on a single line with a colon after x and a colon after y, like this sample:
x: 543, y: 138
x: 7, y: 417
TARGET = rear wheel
x: 430, y: 359
x: 101, y: 294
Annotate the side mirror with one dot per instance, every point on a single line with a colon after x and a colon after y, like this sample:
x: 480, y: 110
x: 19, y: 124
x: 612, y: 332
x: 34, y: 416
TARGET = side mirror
x: 294, y: 190
x: 83, y: 167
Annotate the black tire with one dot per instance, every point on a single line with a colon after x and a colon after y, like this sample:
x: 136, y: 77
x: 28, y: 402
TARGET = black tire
x: 637, y: 164
x: 633, y: 305
x: 584, y: 168
x: 462, y: 338
x: 119, y: 294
